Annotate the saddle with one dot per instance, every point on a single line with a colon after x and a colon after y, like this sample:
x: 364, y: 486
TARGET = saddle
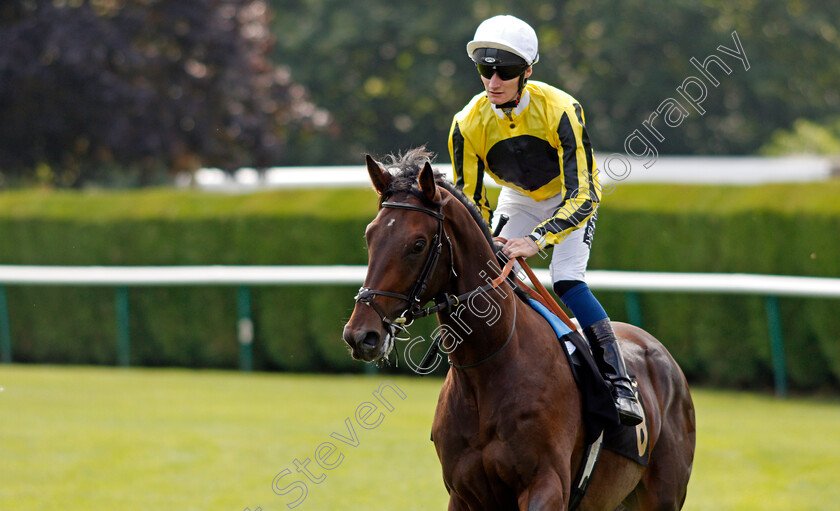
x: 599, y: 409
x: 600, y: 418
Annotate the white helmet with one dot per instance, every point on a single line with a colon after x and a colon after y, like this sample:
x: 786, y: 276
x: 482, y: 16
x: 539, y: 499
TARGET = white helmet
x: 507, y: 33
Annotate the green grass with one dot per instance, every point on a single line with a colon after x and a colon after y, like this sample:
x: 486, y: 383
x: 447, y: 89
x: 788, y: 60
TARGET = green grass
x: 139, y: 439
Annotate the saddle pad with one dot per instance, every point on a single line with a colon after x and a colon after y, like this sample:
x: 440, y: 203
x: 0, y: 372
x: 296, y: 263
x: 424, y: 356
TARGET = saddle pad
x: 560, y: 328
x: 630, y: 442
x: 599, y: 408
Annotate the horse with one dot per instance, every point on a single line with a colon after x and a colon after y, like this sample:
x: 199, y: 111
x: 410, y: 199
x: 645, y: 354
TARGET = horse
x: 508, y: 427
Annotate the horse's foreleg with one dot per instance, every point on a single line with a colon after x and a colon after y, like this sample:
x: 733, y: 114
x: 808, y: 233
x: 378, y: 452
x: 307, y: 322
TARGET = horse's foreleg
x: 546, y: 493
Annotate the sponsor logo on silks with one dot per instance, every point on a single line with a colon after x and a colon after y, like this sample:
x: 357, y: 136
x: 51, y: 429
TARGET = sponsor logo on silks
x: 590, y: 231
x: 490, y: 60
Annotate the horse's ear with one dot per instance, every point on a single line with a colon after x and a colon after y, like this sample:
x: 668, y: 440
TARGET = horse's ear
x: 427, y: 183
x: 378, y: 176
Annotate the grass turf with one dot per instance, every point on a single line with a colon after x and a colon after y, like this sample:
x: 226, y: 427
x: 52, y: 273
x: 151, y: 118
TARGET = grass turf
x: 76, y: 438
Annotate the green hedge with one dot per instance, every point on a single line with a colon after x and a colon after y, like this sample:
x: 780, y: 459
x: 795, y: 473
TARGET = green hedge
x: 772, y: 229
x: 720, y: 340
x: 297, y: 328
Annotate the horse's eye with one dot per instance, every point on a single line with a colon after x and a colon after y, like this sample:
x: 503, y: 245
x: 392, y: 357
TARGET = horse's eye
x: 419, y: 246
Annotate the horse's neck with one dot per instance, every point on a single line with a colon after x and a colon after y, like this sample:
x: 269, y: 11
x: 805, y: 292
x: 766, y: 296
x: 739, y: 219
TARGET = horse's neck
x: 483, y: 323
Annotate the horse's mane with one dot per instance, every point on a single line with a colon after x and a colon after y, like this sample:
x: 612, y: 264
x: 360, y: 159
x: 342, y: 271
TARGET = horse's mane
x: 407, y: 166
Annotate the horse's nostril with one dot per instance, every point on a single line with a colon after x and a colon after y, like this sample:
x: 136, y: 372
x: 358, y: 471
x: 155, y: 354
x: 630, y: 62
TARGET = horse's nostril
x: 347, y: 336
x: 371, y: 339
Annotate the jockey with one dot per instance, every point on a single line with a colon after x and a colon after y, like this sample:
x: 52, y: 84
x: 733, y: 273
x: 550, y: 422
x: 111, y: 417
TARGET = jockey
x: 531, y: 138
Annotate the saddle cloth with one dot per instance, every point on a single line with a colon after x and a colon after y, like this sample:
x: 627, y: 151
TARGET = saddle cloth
x: 598, y: 405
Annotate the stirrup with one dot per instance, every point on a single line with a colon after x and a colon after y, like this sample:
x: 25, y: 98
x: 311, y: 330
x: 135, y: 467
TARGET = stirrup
x: 629, y: 411
x: 628, y: 407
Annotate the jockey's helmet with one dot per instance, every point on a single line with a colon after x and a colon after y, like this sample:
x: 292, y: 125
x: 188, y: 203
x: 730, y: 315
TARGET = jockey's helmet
x: 504, y: 40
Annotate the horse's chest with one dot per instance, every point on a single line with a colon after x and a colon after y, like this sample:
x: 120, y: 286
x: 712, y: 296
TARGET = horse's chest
x: 493, y: 442
x: 490, y: 454
x: 489, y: 476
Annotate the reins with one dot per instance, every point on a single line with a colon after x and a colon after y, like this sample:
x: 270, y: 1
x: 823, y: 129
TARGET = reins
x: 541, y: 294
x: 415, y: 309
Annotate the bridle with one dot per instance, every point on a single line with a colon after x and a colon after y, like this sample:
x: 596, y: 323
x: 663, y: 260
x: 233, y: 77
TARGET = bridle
x: 415, y: 307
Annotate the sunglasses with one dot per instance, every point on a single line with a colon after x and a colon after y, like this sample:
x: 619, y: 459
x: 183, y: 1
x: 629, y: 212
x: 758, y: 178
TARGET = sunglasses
x: 505, y: 72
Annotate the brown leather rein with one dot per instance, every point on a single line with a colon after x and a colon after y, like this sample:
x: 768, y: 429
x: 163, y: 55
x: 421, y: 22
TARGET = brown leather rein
x: 447, y: 302
x: 541, y: 294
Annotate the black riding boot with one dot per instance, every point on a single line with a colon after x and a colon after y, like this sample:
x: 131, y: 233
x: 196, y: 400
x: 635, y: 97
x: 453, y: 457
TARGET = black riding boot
x: 608, y: 357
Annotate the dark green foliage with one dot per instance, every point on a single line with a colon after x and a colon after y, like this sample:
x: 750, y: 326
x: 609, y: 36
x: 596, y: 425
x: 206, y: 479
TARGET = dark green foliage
x: 125, y: 92
x: 393, y: 74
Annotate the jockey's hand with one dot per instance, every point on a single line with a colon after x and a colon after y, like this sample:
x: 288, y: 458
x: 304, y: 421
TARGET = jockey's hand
x: 520, y: 247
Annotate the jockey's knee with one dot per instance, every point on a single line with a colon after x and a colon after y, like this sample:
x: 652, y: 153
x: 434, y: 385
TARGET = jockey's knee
x: 561, y: 286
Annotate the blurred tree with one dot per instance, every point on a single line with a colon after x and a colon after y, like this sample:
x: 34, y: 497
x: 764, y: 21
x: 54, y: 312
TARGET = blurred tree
x: 805, y: 137
x: 394, y: 73
x: 88, y: 87
x: 155, y: 85
x: 388, y: 71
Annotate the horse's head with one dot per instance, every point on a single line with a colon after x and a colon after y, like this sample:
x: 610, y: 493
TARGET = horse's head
x: 409, y: 257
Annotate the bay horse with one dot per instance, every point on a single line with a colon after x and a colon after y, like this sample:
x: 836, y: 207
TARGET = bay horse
x: 508, y: 428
